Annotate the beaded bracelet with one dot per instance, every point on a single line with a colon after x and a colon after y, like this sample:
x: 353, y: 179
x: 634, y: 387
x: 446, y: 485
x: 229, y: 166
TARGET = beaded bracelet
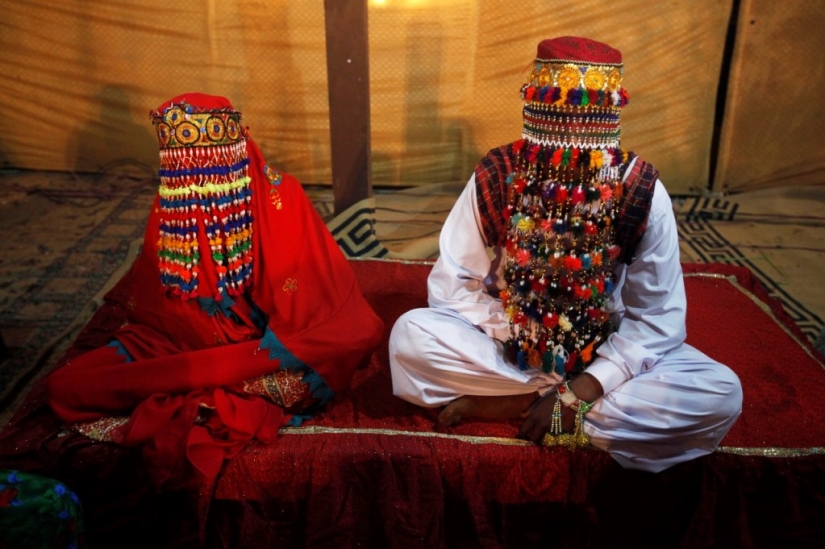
x: 569, y: 399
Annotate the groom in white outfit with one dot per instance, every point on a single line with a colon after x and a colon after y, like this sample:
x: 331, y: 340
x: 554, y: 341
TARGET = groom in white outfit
x: 558, y: 295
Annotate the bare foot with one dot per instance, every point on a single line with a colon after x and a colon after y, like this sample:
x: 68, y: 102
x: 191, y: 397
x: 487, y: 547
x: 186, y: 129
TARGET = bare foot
x: 456, y: 410
x: 490, y: 407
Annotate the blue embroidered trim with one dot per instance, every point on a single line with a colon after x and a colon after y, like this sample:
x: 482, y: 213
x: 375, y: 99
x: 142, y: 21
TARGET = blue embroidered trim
x: 258, y: 317
x: 317, y: 387
x: 121, y: 350
x: 297, y: 420
x: 213, y: 306
x: 175, y: 280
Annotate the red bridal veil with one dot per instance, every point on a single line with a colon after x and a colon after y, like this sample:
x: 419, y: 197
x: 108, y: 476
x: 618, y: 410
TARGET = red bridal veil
x: 238, y: 277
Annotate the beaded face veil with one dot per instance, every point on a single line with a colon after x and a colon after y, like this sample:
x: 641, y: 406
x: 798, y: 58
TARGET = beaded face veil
x: 205, y: 220
x: 562, y: 197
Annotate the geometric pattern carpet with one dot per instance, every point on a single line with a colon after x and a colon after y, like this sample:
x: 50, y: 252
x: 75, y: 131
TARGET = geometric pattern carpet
x: 711, y: 231
x: 68, y: 238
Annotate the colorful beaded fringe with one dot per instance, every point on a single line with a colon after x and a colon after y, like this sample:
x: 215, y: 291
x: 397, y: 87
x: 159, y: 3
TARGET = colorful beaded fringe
x: 576, y: 83
x: 573, y: 104
x: 560, y: 248
x: 573, y: 127
x: 205, y: 187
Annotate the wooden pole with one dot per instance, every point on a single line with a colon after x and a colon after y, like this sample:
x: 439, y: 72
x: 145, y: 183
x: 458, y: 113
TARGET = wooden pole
x: 349, y: 100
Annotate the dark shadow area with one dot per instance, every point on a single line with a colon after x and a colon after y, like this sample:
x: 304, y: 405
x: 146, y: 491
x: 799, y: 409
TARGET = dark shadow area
x: 113, y: 139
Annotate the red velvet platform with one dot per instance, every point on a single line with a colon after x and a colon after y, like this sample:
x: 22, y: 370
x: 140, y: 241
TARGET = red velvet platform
x: 375, y: 471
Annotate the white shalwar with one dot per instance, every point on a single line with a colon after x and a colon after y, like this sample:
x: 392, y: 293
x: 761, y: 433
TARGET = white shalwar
x: 664, y: 401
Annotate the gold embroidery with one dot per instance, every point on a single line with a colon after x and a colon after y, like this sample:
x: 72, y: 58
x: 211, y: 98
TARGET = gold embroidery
x: 290, y: 286
x: 283, y: 387
x: 614, y: 80
x: 177, y: 128
x: 275, y: 198
x: 569, y: 77
x: 274, y: 177
x: 315, y: 430
x: 594, y: 79
x: 100, y: 429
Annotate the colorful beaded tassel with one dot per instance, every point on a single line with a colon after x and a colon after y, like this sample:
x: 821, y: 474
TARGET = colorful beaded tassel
x: 204, y: 187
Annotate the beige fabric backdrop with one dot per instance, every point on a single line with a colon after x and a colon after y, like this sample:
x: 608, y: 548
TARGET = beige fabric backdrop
x: 81, y: 76
x: 773, y: 131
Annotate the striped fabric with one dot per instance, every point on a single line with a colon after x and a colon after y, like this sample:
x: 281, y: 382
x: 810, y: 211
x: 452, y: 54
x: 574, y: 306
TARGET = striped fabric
x: 491, y: 193
x: 631, y: 220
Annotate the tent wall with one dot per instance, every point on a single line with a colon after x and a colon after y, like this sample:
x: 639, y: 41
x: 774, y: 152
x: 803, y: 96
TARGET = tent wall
x: 81, y: 76
x: 773, y: 126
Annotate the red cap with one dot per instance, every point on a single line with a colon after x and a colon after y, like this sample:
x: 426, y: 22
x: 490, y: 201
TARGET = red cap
x: 582, y: 50
x: 200, y: 102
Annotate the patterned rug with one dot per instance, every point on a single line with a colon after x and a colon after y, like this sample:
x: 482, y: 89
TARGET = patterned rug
x: 72, y: 236
x: 374, y: 470
x: 718, y: 230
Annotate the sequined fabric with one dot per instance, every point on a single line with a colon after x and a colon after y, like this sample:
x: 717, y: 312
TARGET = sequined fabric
x: 285, y: 388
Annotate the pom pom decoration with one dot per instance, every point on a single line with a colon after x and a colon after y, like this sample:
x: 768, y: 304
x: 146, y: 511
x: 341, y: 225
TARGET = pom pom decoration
x: 561, y: 194
x: 578, y: 195
x: 572, y: 263
x: 523, y: 257
x: 557, y: 157
x: 561, y: 202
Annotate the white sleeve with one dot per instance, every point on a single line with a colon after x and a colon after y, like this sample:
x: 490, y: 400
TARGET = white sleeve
x: 458, y: 280
x: 653, y: 297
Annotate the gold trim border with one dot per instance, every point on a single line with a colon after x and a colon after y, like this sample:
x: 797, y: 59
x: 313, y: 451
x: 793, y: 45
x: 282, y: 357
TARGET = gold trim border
x: 393, y: 260
x: 505, y: 441
x: 316, y: 430
x: 773, y: 452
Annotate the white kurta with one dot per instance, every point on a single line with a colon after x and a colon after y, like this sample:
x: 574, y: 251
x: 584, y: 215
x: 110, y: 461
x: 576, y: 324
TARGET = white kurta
x: 665, y: 402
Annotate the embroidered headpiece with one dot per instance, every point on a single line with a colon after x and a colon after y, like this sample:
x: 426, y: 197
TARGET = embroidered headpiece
x: 574, y: 95
x: 562, y: 195
x: 205, y: 215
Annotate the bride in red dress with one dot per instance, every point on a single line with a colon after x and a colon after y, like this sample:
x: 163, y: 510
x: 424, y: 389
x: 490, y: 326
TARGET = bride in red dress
x: 242, y: 313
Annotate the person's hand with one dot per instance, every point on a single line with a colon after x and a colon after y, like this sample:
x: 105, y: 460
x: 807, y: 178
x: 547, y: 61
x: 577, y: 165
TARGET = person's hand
x: 539, y: 417
x: 540, y: 413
